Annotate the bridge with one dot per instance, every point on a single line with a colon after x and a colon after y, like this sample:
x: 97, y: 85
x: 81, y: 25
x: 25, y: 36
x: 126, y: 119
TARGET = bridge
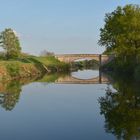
x: 68, y: 58
x: 69, y: 79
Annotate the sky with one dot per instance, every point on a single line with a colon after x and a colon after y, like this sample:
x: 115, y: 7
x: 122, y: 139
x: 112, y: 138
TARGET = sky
x: 59, y: 26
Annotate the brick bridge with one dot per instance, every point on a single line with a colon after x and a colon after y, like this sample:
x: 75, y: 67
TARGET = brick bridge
x: 68, y: 58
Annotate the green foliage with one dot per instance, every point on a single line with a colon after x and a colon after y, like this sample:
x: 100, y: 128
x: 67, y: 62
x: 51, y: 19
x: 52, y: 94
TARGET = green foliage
x: 121, y: 65
x: 32, y: 65
x: 13, y: 70
x: 52, y: 63
x: 121, y: 36
x: 121, y: 33
x: 10, y: 43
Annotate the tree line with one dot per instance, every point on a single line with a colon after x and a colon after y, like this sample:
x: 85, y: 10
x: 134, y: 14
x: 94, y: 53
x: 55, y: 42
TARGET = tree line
x: 121, y: 35
x: 121, y: 32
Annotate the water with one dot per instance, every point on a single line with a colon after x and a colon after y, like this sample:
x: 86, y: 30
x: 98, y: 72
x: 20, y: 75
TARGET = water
x: 55, y: 108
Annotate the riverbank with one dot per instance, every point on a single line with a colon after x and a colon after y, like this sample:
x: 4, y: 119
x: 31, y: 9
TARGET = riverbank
x: 121, y: 67
x: 29, y: 67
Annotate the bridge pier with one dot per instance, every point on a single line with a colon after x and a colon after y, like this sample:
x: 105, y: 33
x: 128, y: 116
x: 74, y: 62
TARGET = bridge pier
x: 100, y: 60
x: 100, y: 76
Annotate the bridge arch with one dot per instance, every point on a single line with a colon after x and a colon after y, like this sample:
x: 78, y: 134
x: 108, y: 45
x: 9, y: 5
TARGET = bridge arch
x: 87, y: 59
x: 68, y: 58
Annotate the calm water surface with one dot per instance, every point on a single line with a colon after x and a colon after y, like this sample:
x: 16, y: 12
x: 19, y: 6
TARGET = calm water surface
x: 52, y: 109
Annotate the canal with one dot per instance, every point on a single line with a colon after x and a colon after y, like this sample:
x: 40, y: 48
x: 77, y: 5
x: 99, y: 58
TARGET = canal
x: 55, y: 107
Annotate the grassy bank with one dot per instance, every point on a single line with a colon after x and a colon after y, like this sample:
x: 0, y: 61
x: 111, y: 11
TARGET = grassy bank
x: 30, y: 66
x: 51, y: 63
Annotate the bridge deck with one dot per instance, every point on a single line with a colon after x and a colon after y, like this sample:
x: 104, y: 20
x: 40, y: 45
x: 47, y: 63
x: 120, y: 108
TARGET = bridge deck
x: 68, y: 58
x: 76, y: 55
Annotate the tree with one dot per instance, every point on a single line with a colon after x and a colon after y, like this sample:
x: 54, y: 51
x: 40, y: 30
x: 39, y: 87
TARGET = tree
x: 46, y: 53
x: 121, y: 32
x: 121, y: 109
x: 10, y: 43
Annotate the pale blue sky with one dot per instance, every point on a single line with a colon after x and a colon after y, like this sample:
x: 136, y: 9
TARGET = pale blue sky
x: 61, y: 26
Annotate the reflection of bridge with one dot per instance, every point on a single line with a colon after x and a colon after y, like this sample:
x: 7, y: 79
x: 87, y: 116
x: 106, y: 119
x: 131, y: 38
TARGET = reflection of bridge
x: 102, y: 59
x: 101, y: 79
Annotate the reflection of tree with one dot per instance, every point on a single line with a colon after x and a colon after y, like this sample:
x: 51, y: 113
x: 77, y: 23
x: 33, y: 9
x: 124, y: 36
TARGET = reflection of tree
x: 9, y: 99
x: 52, y: 77
x: 10, y: 91
x: 121, y: 110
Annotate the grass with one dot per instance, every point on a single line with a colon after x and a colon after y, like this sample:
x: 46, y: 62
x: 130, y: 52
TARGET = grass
x: 51, y: 63
x: 30, y: 66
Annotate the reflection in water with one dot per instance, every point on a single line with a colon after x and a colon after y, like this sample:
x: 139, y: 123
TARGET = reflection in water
x: 121, y: 109
x: 85, y: 74
x: 84, y: 77
x: 10, y: 92
x: 10, y: 96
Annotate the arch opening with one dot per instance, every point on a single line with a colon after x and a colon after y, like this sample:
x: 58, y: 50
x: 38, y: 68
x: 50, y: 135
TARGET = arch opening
x: 85, y: 63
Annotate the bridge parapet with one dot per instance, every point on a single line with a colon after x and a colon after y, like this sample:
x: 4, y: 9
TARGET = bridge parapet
x: 76, y: 55
x: 68, y: 58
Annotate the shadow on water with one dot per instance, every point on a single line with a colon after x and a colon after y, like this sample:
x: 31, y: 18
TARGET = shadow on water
x: 121, y: 108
